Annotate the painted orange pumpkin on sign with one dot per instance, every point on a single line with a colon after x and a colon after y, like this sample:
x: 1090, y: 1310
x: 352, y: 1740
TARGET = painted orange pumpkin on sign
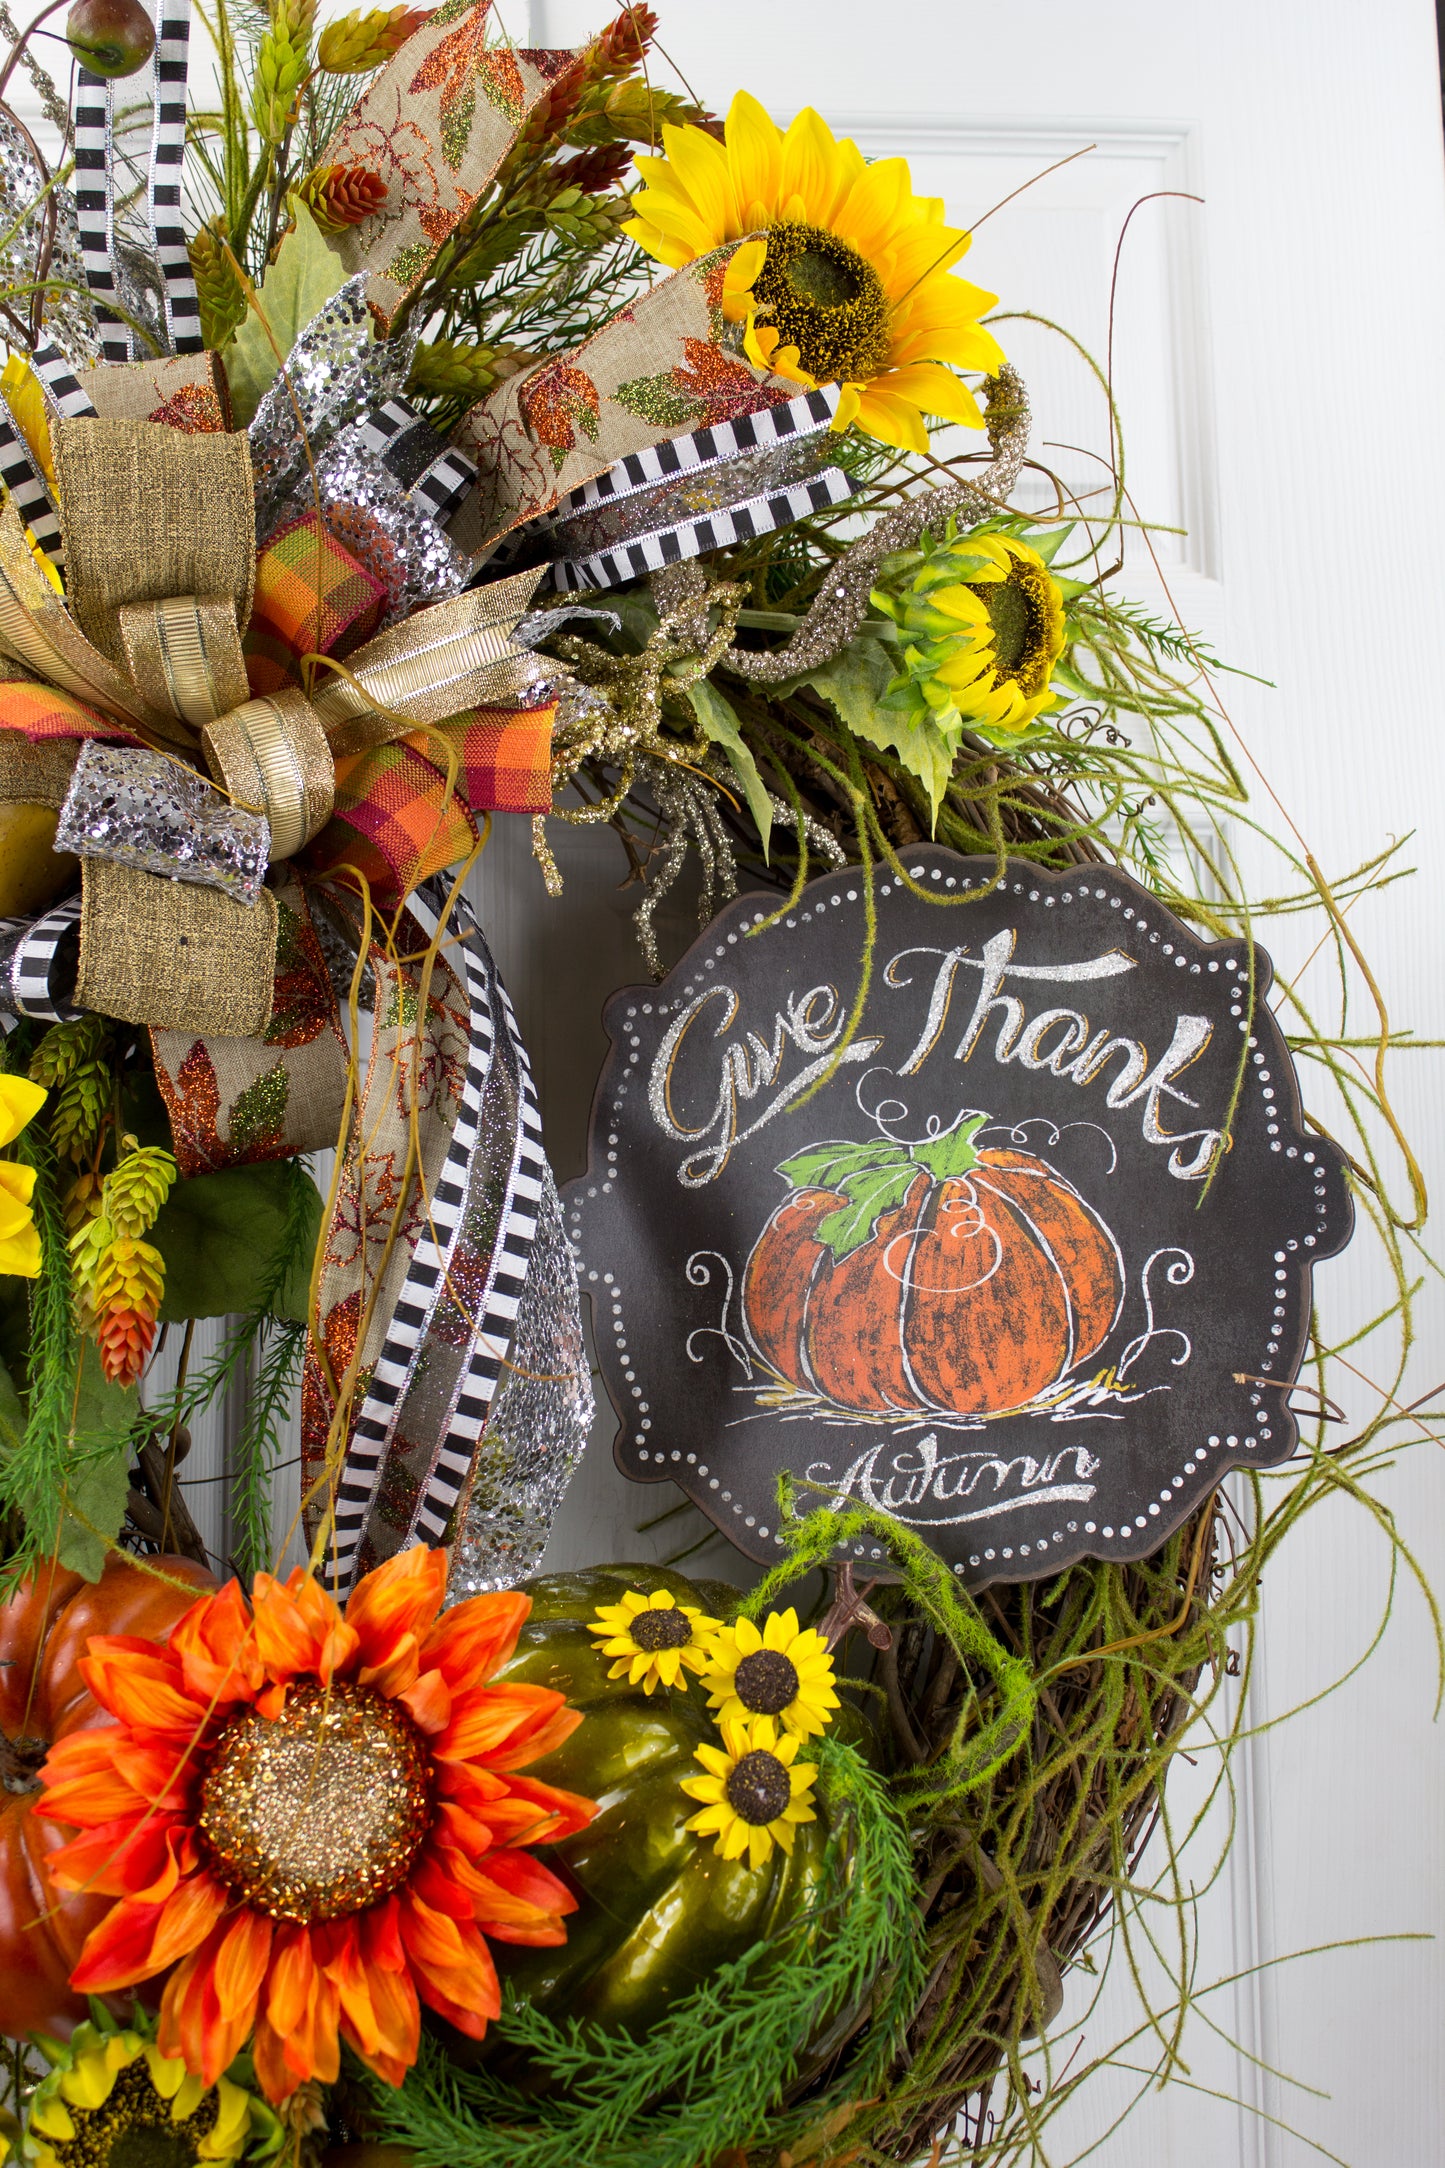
x: 949, y: 1277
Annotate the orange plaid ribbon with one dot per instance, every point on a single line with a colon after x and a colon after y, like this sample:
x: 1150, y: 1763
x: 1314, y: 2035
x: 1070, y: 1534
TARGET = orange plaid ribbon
x: 397, y: 822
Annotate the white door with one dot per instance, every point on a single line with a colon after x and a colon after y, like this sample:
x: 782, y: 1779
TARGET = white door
x: 1280, y: 360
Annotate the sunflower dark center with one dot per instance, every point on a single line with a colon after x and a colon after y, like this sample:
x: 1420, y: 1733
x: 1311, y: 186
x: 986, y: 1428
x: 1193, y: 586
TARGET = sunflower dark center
x: 766, y: 1682
x: 1016, y: 612
x: 758, y: 1788
x: 824, y: 298
x: 321, y: 1812
x: 665, y: 1629
x: 133, y: 2128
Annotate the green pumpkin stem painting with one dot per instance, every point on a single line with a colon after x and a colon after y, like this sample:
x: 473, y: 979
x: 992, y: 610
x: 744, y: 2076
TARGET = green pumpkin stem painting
x: 949, y: 1277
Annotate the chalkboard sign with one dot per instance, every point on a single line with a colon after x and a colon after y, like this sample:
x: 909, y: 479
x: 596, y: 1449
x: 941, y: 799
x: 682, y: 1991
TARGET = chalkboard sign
x: 1027, y: 1267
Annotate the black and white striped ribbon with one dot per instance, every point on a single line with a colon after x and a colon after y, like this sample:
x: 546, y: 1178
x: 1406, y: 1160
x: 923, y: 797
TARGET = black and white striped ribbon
x: 28, y: 487
x: 635, y: 558
x: 498, y: 1103
x: 95, y: 206
x: 700, y: 448
x: 38, y: 960
x: 168, y: 150
x: 427, y: 467
x: 62, y: 385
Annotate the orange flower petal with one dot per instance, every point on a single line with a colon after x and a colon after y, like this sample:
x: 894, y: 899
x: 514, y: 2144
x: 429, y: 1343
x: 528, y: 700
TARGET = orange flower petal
x: 241, y: 1965
x: 401, y: 1596
x: 217, y: 1649
x: 126, y: 1859
x: 475, y: 1638
x: 274, y: 2075
x: 292, y: 1623
x: 135, y: 1940
x: 140, y: 1683
x: 398, y: 1669
x: 501, y: 1722
x: 429, y: 1700
x: 293, y: 1971
x: 190, y: 2013
x: 564, y: 1812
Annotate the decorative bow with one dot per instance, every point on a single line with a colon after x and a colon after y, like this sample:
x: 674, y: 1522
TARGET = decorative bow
x: 151, y: 644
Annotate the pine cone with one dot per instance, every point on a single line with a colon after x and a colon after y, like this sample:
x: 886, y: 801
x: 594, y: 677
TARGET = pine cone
x: 218, y: 283
x: 136, y: 1189
x: 124, y: 1338
x: 281, y: 64
x: 79, y: 1109
x: 341, y: 196
x: 356, y: 43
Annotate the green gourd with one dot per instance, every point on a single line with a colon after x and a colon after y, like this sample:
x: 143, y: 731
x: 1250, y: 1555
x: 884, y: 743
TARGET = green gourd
x: 659, y: 1909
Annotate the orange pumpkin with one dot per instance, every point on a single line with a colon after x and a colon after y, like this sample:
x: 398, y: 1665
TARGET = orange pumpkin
x: 945, y: 1278
x: 44, y: 1628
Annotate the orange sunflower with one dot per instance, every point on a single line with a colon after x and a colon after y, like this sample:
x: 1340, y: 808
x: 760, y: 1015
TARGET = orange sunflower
x: 315, y: 1818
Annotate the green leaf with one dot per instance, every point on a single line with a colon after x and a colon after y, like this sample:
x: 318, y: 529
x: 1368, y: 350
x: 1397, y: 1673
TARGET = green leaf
x: 869, y: 1195
x: 854, y: 683
x: 720, y: 724
x: 828, y: 1166
x: 306, y: 274
x: 98, y: 1478
x: 954, y: 1152
x: 1047, y: 545
x: 239, y: 1241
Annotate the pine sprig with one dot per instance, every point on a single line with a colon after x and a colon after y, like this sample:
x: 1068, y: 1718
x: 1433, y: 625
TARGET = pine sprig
x: 258, y: 1448
x: 33, y: 1480
x: 716, y: 2071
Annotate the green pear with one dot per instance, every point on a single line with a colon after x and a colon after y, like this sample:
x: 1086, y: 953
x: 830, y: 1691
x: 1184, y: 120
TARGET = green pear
x: 110, y: 37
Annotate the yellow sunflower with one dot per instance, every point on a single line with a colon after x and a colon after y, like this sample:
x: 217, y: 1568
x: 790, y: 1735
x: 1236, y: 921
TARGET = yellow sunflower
x: 981, y: 626
x: 652, y: 1637
x: 782, y: 1671
x: 114, y: 2096
x: 852, y: 286
x: 754, y: 1794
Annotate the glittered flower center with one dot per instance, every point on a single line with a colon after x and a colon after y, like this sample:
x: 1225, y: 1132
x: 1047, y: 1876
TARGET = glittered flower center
x: 1018, y: 614
x: 132, y: 2128
x: 321, y: 1812
x: 666, y: 1629
x: 766, y: 1682
x: 822, y: 297
x: 758, y: 1788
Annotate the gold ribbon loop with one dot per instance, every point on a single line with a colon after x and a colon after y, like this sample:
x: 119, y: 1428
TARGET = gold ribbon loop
x: 184, y: 655
x: 146, y: 512
x: 454, y: 656
x: 272, y: 755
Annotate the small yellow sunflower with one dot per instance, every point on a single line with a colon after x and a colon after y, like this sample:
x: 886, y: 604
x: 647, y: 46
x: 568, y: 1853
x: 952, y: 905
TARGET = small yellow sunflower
x: 852, y: 284
x: 754, y: 1794
x: 653, y: 1638
x: 113, y: 2096
x: 782, y: 1672
x: 981, y: 626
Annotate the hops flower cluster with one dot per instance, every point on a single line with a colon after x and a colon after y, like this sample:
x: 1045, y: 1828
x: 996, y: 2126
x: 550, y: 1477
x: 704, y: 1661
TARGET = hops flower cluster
x: 119, y: 1276
x: 356, y: 43
x: 770, y: 1688
x: 282, y: 60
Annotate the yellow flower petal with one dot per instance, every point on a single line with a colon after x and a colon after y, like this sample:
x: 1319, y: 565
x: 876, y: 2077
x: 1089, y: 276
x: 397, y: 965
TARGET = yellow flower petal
x: 755, y: 149
x: 20, y: 1102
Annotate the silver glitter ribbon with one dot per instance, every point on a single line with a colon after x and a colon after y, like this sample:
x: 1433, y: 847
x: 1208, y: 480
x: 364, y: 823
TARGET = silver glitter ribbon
x: 390, y: 531
x: 334, y: 373
x: 538, y: 1426
x: 67, y: 319
x: 142, y: 810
